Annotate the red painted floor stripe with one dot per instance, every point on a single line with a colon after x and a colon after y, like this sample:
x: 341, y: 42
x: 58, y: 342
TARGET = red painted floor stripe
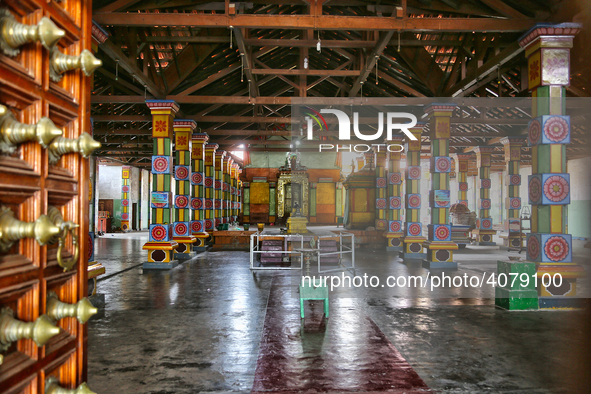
x: 347, y: 353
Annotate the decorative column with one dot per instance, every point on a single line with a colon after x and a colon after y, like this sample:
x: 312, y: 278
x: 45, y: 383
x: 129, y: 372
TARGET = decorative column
x: 395, y: 233
x: 439, y: 244
x: 181, y: 227
x: 514, y: 237
x: 381, y: 223
x: 245, y: 202
x: 484, y: 232
x: 228, y: 162
x: 413, y: 229
x: 238, y: 193
x: 161, y: 245
x: 548, y: 51
x: 462, y: 163
x: 198, y: 191
x: 233, y: 188
x: 218, y: 187
x: 273, y: 202
x: 210, y: 150
x: 125, y: 193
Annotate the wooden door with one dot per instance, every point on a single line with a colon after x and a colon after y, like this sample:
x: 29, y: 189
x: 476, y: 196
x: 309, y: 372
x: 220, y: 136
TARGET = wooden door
x: 29, y: 186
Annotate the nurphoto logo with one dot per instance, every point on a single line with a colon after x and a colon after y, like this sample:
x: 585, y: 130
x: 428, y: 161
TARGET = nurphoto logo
x: 393, y: 124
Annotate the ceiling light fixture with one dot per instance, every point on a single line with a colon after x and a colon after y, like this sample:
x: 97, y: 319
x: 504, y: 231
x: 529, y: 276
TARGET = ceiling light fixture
x: 306, y: 63
x: 318, y: 44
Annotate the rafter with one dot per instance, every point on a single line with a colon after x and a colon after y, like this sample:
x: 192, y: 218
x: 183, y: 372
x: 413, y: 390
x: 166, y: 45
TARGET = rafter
x: 487, y: 68
x: 246, y: 59
x: 371, y: 61
x: 504, y: 9
x: 318, y: 22
x: 424, y: 65
x: 115, y: 53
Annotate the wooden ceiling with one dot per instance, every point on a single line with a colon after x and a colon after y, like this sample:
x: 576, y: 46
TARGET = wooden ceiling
x: 235, y: 66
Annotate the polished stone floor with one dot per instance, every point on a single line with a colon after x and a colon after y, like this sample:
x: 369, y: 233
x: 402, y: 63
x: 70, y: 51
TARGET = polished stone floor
x: 211, y: 325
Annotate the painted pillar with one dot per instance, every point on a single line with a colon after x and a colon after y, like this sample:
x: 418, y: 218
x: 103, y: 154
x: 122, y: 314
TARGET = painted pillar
x: 227, y: 215
x: 161, y: 245
x: 484, y: 232
x: 198, y: 194
x: 125, y: 193
x: 395, y: 233
x: 381, y: 221
x: 273, y: 202
x: 210, y: 150
x: 413, y: 230
x: 181, y: 227
x: 246, y: 202
x: 439, y: 244
x: 548, y: 51
x: 233, y: 184
x: 462, y: 163
x: 218, y: 187
x: 514, y: 238
x: 238, y: 193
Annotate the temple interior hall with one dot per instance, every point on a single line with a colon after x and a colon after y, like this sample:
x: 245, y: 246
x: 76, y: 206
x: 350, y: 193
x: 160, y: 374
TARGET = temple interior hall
x: 295, y: 196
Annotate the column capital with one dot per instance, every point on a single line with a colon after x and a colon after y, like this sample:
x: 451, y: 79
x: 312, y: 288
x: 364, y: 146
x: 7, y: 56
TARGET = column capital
x: 200, y: 138
x: 440, y: 109
x: 212, y: 147
x: 546, y: 34
x: 517, y: 141
x: 184, y: 124
x: 479, y: 150
x: 166, y: 106
x: 461, y: 156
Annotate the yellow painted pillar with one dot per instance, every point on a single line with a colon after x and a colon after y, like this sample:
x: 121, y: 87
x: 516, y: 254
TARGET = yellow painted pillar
x: 381, y: 221
x: 161, y: 244
x: 413, y: 229
x: 198, y: 194
x: 549, y: 245
x: 208, y: 182
x: 484, y: 224
x: 395, y: 232
x: 218, y: 186
x: 439, y: 244
x: 514, y: 237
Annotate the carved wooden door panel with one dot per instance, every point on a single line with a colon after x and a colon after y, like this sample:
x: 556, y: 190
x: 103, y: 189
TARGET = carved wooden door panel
x: 44, y: 114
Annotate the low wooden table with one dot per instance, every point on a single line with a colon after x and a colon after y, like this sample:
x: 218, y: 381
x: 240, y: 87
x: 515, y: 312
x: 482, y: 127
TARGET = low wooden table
x: 232, y: 239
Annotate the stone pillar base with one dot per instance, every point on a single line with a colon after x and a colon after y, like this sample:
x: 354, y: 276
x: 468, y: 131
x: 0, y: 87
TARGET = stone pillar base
x: 413, y: 248
x: 160, y: 266
x: 440, y: 255
x: 160, y: 254
x: 184, y: 250
x: 565, y: 295
x: 484, y: 237
x: 394, y: 242
x: 200, y: 244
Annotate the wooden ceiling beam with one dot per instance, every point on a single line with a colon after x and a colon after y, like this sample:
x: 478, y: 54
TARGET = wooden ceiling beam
x: 370, y: 62
x: 117, y: 5
x: 115, y: 53
x: 400, y: 85
x: 487, y: 68
x: 246, y: 58
x: 504, y: 9
x: 103, y: 132
x: 211, y: 78
x: 317, y: 22
x: 329, y: 73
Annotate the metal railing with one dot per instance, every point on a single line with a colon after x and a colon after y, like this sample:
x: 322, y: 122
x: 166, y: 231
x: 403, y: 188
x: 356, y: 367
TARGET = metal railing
x: 255, y: 244
x: 343, y: 249
x: 254, y: 249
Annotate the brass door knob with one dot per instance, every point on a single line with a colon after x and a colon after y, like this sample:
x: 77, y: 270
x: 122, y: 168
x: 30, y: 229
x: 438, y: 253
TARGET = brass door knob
x: 11, y: 329
x: 12, y: 229
x: 84, y: 145
x: 14, y: 34
x: 60, y: 63
x: 82, y: 310
x: 52, y: 387
x: 56, y: 217
x: 13, y: 132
